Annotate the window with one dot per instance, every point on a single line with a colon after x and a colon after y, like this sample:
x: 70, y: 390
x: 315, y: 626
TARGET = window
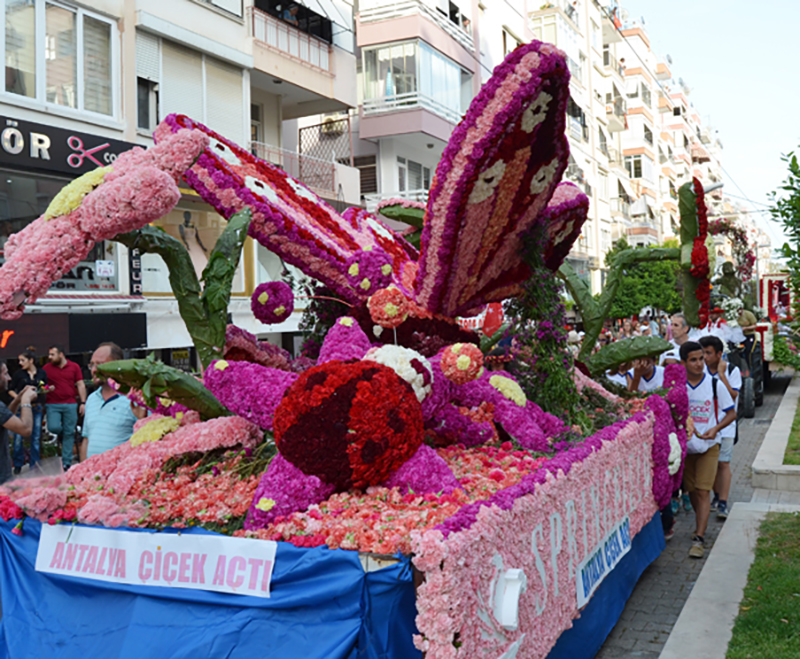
x: 602, y: 141
x: 368, y: 172
x: 412, y: 74
x: 639, y: 167
x: 603, y: 189
x: 648, y: 135
x: 577, y: 121
x: 685, y: 142
x: 77, y: 62
x: 646, y: 96
x: 299, y: 16
x: 256, y: 129
x: 412, y: 176
x: 146, y: 104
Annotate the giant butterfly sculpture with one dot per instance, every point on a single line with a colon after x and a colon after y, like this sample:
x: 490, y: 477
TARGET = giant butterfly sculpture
x: 498, y: 178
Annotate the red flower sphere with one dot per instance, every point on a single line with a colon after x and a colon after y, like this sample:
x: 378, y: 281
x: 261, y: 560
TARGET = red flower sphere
x: 349, y: 423
x: 388, y: 307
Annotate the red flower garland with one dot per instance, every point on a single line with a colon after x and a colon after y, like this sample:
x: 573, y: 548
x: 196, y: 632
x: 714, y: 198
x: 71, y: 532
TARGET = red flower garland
x: 349, y: 423
x: 700, y: 267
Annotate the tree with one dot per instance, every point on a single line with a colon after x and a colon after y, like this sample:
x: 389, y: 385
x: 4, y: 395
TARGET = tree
x: 646, y: 283
x: 787, y: 212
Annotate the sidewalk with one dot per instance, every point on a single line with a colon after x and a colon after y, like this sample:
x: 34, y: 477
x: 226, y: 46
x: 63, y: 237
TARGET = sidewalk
x: 659, y: 598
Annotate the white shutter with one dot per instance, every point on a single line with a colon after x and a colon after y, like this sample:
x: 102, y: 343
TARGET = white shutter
x: 233, y: 6
x: 148, y: 59
x: 182, y: 86
x: 224, y: 99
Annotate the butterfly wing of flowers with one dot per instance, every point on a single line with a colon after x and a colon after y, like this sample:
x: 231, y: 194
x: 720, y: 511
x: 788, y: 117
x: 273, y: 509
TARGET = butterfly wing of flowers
x: 288, y: 218
x: 493, y: 181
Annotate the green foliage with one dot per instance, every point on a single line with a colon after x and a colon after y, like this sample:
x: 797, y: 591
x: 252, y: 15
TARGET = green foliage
x: 594, y: 311
x: 769, y: 612
x: 791, y: 455
x: 786, y: 210
x: 154, y: 379
x: 785, y: 353
x: 646, y: 283
x: 619, y: 352
x: 204, y: 309
x: 544, y: 365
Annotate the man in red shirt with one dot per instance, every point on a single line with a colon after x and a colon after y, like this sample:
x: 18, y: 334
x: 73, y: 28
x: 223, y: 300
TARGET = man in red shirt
x: 65, y: 381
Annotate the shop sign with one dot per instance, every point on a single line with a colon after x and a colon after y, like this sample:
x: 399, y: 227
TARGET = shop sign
x: 39, y: 330
x: 37, y: 146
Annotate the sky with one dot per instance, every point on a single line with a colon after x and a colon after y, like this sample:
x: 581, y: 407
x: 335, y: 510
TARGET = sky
x: 740, y: 61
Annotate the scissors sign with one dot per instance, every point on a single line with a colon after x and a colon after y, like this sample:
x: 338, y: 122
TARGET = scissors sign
x: 76, y: 159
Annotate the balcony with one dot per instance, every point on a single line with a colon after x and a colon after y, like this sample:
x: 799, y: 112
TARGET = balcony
x: 290, y: 41
x: 620, y: 208
x: 371, y: 200
x: 319, y: 175
x: 615, y: 159
x: 610, y: 62
x: 615, y: 113
x: 458, y: 26
x: 409, y: 101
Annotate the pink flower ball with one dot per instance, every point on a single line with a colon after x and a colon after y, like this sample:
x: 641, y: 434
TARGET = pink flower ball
x: 272, y: 302
x: 462, y: 362
x: 369, y: 271
x: 388, y: 307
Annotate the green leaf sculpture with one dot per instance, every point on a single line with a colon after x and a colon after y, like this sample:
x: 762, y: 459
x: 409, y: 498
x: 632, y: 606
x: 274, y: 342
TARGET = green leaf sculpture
x: 595, y: 311
x: 626, y: 350
x: 154, y: 379
x: 204, y: 309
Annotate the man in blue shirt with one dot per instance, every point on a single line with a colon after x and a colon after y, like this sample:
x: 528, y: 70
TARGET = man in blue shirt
x: 109, y: 416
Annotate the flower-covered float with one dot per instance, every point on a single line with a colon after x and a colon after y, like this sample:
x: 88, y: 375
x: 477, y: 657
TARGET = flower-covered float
x: 395, y: 444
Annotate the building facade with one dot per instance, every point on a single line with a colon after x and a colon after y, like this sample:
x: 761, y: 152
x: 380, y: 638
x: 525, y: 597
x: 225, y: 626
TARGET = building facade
x: 85, y: 81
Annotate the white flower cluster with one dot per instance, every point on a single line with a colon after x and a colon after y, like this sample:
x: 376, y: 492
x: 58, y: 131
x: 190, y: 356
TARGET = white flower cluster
x: 731, y: 308
x: 399, y: 360
x: 674, y: 454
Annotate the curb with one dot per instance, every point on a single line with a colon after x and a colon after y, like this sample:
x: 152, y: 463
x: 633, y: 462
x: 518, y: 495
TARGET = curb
x: 705, y: 625
x: 769, y: 472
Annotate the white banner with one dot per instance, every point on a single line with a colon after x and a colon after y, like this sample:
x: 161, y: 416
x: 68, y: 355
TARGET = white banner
x: 239, y: 566
x: 599, y: 563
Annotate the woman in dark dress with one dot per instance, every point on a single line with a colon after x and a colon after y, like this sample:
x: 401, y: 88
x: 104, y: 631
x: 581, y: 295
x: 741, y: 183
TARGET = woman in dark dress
x: 29, y: 374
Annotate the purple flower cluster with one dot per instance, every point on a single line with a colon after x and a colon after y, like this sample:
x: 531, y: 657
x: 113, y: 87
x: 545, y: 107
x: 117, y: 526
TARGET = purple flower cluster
x: 453, y: 427
x: 250, y: 390
x: 369, y: 271
x: 345, y: 340
x: 441, y: 390
x: 425, y: 472
x: 272, y: 302
x: 241, y: 345
x: 664, y: 425
x: 283, y: 490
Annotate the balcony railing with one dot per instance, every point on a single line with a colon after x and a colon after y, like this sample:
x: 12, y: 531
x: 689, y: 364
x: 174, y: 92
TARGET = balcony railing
x: 620, y: 207
x: 288, y: 40
x: 409, y: 101
x: 317, y: 174
x: 371, y: 200
x: 384, y: 10
x: 610, y: 62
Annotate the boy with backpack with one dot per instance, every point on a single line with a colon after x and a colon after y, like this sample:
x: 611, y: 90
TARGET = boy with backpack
x: 728, y: 377
x: 702, y: 449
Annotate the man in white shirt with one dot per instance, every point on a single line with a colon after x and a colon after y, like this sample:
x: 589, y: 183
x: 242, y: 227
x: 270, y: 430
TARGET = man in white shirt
x: 730, y: 378
x: 681, y: 333
x: 646, y: 375
x: 709, y: 416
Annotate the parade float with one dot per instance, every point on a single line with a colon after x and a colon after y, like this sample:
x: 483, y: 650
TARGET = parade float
x: 391, y: 493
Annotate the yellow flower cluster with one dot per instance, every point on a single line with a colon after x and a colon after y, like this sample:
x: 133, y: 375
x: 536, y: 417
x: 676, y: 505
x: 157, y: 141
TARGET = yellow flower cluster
x: 154, y: 430
x: 509, y: 389
x: 71, y: 196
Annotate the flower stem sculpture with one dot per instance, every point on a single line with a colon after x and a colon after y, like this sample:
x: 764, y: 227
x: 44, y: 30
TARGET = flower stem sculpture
x: 204, y: 308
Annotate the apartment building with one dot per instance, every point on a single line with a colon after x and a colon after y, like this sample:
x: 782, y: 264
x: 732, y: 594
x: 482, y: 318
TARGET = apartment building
x: 86, y: 81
